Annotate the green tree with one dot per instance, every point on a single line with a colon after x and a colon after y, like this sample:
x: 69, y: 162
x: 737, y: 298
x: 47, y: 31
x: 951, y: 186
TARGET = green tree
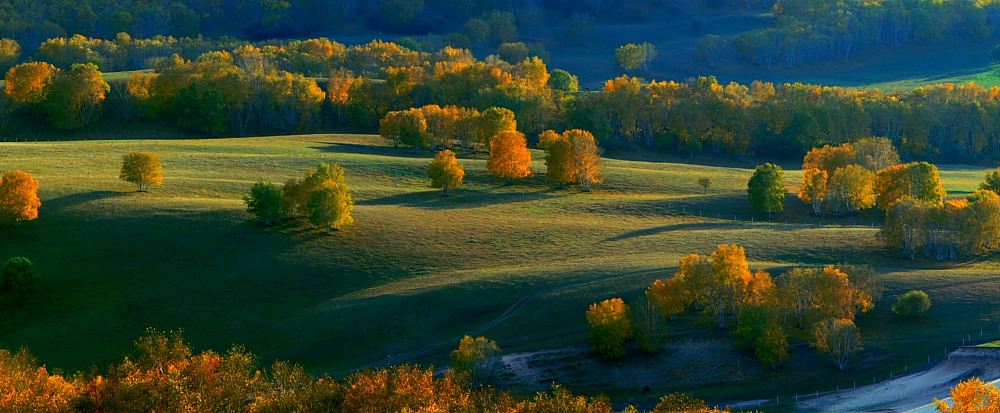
x: 704, y: 182
x: 562, y: 80
x: 330, y: 201
x: 610, y: 325
x: 75, y: 98
x: 766, y: 189
x: 478, y: 357
x: 912, y: 303
x: 513, y: 53
x: 265, y: 201
x: 992, y: 181
x: 143, y: 169
x: 19, y: 277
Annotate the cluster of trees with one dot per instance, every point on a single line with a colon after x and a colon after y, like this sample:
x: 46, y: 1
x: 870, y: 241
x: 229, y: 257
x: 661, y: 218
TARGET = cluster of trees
x: 433, y: 126
x: 165, y: 374
x: 699, y: 115
x: 68, y: 99
x: 322, y: 195
x: 944, y: 230
x: 817, y: 304
x: 18, y: 197
x: 571, y: 157
x: 807, y: 31
x: 841, y: 180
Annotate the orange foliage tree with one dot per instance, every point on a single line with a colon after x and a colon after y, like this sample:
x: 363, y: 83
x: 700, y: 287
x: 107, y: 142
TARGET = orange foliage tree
x: 28, y: 83
x: 572, y: 156
x: 28, y: 387
x: 18, y: 197
x: 971, y: 396
x: 509, y: 156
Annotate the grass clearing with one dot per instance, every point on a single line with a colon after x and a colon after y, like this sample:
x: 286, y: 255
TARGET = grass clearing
x: 418, y: 269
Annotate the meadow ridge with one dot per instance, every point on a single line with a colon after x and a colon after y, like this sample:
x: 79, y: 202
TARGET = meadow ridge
x: 417, y: 269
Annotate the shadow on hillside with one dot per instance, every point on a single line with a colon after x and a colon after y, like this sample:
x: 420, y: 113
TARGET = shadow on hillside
x: 457, y: 200
x: 69, y: 201
x: 359, y: 149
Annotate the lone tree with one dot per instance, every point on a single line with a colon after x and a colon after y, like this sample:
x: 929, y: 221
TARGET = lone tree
x: 610, y: 325
x: 330, y: 201
x: 143, y: 169
x: 445, y: 171
x: 766, y: 190
x: 633, y: 56
x: 18, y: 197
x: 912, y: 303
x: 476, y: 356
x: 509, y: 156
x: 265, y: 201
x: 18, y: 277
x: 705, y: 182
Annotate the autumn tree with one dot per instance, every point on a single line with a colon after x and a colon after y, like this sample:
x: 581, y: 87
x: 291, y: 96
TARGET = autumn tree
x: 18, y: 197
x: 509, y: 156
x: 265, y: 201
x: 143, y: 169
x: 918, y: 180
x: 633, y: 56
x: 408, y: 127
x: 684, y: 403
x: 849, y: 190
x: 766, y: 189
x: 28, y: 83
x: 837, y: 337
x: 912, y: 303
x: 19, y: 278
x: 875, y: 153
x: 610, y: 326
x: 971, y: 396
x: 572, y: 156
x: 329, y: 198
x: 492, y: 122
x: 445, y: 171
x: 813, y: 190
x: 75, y: 97
x: 477, y: 357
x: 10, y: 52
x: 829, y: 158
x: 670, y: 297
x: 30, y: 387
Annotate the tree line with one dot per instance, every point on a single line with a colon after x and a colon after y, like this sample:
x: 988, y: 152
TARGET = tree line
x: 809, y: 31
x: 164, y: 374
x: 702, y: 116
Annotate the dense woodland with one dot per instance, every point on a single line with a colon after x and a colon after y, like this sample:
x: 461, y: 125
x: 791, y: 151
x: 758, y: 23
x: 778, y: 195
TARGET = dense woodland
x: 809, y: 31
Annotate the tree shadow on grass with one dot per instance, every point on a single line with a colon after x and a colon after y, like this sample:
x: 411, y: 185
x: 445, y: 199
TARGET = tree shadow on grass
x: 457, y: 200
x: 68, y: 201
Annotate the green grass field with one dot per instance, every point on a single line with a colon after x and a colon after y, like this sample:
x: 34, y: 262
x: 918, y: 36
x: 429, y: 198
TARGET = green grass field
x: 418, y: 270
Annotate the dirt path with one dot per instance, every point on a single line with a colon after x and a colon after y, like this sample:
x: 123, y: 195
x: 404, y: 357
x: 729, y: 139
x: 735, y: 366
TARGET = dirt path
x: 916, y: 390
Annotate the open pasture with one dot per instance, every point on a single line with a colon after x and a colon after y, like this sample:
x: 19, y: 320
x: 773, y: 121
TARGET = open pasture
x: 518, y: 264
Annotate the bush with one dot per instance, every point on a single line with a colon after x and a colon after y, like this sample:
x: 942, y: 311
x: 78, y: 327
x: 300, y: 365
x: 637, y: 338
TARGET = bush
x: 18, y: 277
x: 912, y: 303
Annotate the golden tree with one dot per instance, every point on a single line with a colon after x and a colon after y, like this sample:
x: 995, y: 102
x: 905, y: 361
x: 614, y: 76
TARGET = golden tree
x: 849, y: 190
x: 18, y: 197
x: 143, y: 169
x: 509, y: 156
x: 670, y: 297
x: 445, y: 171
x: 971, y: 396
x: 28, y: 83
x: 572, y: 156
x: 476, y: 356
x: 813, y: 191
x: 837, y: 337
x: 610, y: 325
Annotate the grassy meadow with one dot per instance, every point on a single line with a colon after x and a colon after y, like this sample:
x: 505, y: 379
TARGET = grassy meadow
x: 417, y: 270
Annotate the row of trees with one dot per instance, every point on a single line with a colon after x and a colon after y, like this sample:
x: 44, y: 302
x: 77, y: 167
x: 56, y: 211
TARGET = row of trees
x: 433, y: 126
x: 322, y: 195
x: 67, y: 99
x: 165, y: 374
x: 699, y: 115
x: 816, y: 304
x: 807, y: 31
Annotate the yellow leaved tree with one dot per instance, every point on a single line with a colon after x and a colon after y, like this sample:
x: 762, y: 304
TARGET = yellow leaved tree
x: 509, y: 156
x: 143, y: 169
x: 610, y: 325
x: 445, y: 171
